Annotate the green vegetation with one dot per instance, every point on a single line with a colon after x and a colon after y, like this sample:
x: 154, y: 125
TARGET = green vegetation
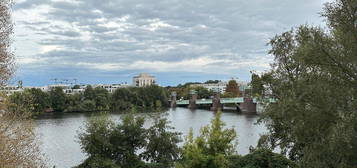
x: 93, y: 99
x: 211, y: 148
x: 129, y: 144
x: 118, y: 145
x: 314, y: 120
x: 232, y: 89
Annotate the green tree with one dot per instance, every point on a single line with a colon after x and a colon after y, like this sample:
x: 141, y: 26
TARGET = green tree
x: 88, y: 105
x: 162, y: 147
x: 121, y: 99
x: 118, y: 143
x: 58, y: 99
x: 127, y: 139
x: 89, y: 93
x: 101, y: 99
x: 211, y: 148
x: 40, y: 100
x: 233, y: 88
x: 314, y: 81
x: 203, y: 92
x: 260, y: 158
x: 73, y: 103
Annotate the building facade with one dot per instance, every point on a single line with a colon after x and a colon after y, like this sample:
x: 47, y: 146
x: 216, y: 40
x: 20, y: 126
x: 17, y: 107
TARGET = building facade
x: 143, y: 79
x: 216, y: 87
x: 220, y: 86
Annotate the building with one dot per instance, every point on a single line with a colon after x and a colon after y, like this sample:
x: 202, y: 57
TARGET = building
x: 111, y: 87
x: 143, y: 79
x: 220, y: 86
x: 217, y: 87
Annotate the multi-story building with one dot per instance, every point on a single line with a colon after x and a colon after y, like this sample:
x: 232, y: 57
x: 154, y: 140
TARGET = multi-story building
x: 217, y: 87
x: 143, y: 79
x: 220, y: 86
x: 111, y: 87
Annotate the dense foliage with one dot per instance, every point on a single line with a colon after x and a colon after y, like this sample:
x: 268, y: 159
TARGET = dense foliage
x: 211, y: 148
x: 232, y: 89
x: 128, y: 143
x: 93, y: 99
x: 314, y: 80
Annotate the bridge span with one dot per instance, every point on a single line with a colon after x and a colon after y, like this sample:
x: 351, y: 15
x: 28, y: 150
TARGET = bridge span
x: 241, y: 104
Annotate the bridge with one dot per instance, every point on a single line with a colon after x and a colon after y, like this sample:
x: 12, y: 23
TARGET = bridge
x: 210, y: 101
x: 241, y: 104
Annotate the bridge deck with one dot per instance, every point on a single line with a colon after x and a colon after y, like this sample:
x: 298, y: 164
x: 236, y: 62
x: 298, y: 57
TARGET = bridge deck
x: 209, y: 101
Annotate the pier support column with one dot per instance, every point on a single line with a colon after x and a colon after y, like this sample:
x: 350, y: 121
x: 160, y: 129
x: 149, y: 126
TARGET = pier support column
x: 192, y: 101
x: 216, y: 102
x: 173, y: 100
x: 249, y: 106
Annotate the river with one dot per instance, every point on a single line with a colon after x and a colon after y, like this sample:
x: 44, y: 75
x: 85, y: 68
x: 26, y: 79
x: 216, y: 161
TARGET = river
x: 59, y: 142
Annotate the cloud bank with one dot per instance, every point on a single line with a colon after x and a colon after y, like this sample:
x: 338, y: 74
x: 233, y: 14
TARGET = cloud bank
x: 177, y: 40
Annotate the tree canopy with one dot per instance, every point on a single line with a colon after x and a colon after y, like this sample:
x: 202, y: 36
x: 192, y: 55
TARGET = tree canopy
x: 314, y: 81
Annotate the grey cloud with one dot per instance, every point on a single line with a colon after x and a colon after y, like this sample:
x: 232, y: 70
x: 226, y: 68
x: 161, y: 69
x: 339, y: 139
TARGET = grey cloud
x: 235, y: 30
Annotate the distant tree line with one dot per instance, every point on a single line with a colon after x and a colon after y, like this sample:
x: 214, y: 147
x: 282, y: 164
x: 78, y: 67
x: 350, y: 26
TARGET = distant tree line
x: 92, y: 99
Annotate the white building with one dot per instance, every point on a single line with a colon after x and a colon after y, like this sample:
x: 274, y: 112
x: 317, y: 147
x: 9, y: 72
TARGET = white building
x: 111, y: 87
x: 220, y: 86
x: 8, y: 90
x: 143, y: 79
x: 217, y: 87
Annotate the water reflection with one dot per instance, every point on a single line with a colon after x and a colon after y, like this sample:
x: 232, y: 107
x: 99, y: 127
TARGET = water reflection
x: 58, y: 133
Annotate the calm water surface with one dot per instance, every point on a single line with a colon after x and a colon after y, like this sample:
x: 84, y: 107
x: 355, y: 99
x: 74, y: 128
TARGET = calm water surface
x: 58, y: 133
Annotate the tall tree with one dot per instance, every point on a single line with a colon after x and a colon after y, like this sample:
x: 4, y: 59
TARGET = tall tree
x: 232, y: 88
x: 18, y: 145
x: 162, y: 147
x: 58, y: 99
x: 314, y: 79
x: 211, y: 148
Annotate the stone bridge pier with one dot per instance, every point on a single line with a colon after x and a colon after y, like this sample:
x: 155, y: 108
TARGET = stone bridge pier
x: 216, y: 102
x: 248, y: 105
x: 173, y: 99
x: 192, y: 101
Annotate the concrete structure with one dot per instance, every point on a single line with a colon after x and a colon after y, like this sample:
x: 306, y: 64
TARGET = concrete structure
x: 143, y: 79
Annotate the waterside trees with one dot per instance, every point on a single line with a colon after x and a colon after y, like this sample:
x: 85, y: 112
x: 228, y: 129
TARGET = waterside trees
x: 151, y: 98
x: 314, y: 79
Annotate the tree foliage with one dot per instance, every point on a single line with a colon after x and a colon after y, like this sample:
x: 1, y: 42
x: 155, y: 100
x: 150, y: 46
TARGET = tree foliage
x: 260, y: 158
x: 232, y: 88
x: 314, y: 80
x: 162, y: 145
x: 128, y: 143
x: 211, y: 148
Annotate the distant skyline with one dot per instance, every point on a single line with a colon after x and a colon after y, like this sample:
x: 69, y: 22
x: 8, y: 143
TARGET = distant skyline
x: 177, y: 41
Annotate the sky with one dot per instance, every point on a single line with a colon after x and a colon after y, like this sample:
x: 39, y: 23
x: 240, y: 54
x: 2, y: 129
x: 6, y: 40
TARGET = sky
x: 178, y: 41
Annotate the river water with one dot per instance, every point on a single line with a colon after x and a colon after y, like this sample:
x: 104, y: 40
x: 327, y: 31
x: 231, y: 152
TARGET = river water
x: 59, y: 142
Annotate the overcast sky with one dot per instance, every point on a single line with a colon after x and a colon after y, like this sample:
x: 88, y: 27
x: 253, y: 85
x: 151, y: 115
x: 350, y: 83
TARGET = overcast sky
x: 109, y: 41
